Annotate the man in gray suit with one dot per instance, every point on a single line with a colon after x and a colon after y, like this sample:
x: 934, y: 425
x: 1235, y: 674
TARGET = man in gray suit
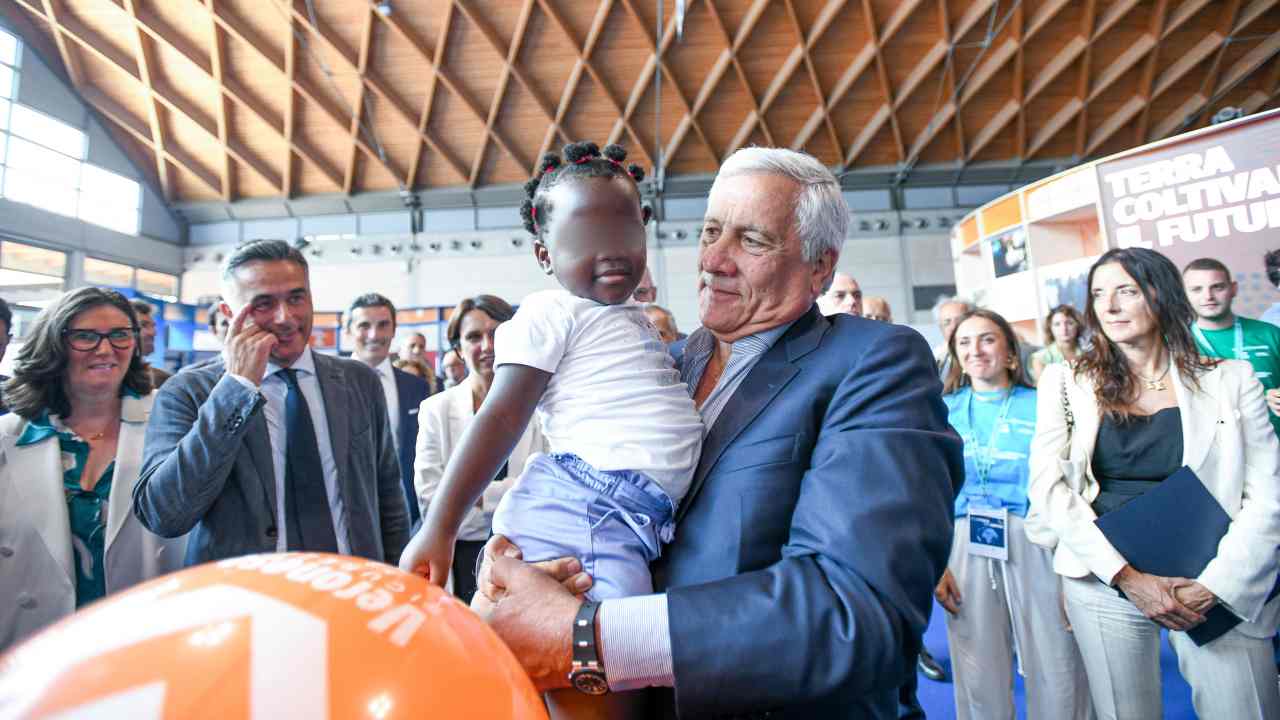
x: 272, y: 447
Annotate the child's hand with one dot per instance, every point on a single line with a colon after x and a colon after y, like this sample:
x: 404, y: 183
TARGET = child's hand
x: 429, y: 554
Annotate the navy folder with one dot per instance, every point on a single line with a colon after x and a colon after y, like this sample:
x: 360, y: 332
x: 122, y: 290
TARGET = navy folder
x: 1173, y: 530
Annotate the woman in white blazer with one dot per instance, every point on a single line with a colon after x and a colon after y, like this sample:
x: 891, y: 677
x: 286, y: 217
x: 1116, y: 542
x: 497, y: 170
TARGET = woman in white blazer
x: 70, y: 451
x: 1141, y: 403
x: 444, y: 416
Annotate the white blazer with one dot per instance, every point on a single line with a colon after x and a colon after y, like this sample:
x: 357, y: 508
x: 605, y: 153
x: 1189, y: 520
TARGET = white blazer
x: 37, y: 575
x: 1227, y: 441
x: 442, y: 418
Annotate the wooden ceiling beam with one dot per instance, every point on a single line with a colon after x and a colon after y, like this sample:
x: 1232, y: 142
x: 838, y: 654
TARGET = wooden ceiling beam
x: 508, y: 69
x: 1082, y: 81
x: 1147, y: 84
x: 99, y: 47
x: 987, y: 69
x: 1043, y: 16
x: 146, y: 63
x: 43, y: 44
x: 825, y: 18
x: 1113, y: 15
x: 53, y: 13
x: 397, y: 25
x: 1019, y: 82
x: 949, y: 73
x: 658, y: 48
x: 370, y: 80
x: 749, y: 22
x: 998, y: 122
x: 1057, y: 65
x: 1265, y: 51
x: 1184, y: 13
x: 510, y: 55
x: 140, y: 132
x: 1183, y: 117
x: 290, y: 112
x: 1054, y: 125
x: 882, y: 73
x: 869, y: 130
x: 1113, y: 123
x: 215, y: 61
x: 583, y: 64
x: 357, y: 110
x: 161, y: 33
x: 834, y: 137
x: 428, y: 100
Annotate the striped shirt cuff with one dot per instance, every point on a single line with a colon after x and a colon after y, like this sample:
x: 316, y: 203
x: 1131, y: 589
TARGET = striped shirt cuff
x: 635, y: 642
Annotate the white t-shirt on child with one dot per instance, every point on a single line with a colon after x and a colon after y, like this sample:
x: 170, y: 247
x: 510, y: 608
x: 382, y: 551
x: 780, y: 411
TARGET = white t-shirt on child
x: 615, y: 398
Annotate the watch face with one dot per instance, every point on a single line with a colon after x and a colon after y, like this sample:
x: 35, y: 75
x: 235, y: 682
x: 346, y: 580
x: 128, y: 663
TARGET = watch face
x: 591, y: 682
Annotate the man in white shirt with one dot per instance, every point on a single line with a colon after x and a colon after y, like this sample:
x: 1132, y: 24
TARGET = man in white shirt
x: 370, y: 324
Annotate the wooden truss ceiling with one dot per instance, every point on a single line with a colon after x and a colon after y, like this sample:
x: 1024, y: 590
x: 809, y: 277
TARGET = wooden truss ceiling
x: 230, y: 99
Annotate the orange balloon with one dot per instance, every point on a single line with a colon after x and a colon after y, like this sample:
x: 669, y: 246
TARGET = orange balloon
x: 291, y: 635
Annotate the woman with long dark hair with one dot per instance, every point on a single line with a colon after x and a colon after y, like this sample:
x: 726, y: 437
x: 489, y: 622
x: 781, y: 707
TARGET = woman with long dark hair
x: 1140, y: 404
x: 999, y: 590
x: 80, y: 397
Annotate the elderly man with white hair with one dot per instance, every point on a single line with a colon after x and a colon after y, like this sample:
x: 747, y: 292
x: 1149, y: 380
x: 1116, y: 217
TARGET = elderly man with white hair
x: 801, y: 572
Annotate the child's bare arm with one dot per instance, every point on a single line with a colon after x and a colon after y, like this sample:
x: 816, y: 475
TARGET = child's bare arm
x: 484, y: 446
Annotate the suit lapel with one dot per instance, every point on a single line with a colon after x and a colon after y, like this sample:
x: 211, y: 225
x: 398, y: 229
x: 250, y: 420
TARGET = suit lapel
x: 133, y: 426
x: 36, y: 471
x: 1199, y: 414
x: 771, y: 373
x: 336, y: 408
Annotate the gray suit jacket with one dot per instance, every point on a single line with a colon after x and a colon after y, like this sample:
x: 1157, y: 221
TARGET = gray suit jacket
x: 207, y: 465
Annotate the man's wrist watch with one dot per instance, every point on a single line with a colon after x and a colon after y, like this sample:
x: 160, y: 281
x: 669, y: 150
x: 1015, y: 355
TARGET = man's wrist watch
x: 587, y: 673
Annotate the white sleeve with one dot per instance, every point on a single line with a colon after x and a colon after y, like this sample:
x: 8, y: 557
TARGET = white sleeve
x: 537, y: 336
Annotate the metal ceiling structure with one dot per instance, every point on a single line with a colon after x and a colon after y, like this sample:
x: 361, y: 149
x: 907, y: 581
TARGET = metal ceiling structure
x: 232, y: 101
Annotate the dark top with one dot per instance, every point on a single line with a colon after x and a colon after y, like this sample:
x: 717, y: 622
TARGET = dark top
x: 1133, y: 457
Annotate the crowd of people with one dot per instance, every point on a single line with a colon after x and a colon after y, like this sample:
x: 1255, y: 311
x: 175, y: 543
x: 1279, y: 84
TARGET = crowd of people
x: 752, y: 519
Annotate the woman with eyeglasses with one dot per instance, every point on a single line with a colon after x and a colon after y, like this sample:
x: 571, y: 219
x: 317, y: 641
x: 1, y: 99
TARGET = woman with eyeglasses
x: 445, y: 416
x: 71, y: 449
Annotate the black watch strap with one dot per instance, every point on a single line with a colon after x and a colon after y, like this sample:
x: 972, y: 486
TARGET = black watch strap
x: 587, y: 674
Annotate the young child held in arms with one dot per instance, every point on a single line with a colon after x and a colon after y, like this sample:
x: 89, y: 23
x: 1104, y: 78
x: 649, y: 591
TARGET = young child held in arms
x: 623, y: 431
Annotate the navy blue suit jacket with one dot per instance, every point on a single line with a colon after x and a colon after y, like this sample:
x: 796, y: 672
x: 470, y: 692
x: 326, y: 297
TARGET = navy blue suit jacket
x: 818, y: 522
x: 411, y: 390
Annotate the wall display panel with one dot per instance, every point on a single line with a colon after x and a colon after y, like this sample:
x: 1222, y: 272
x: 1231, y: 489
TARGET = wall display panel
x: 1009, y: 253
x: 1214, y: 192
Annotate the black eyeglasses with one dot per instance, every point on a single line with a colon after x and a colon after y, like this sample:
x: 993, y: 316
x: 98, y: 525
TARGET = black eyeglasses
x: 89, y: 340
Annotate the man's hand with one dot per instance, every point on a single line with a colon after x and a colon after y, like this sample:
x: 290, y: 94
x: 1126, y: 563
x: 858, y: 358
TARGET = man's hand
x: 948, y: 593
x: 1273, y: 400
x: 566, y: 570
x: 1154, y: 596
x: 534, y: 617
x: 248, y: 347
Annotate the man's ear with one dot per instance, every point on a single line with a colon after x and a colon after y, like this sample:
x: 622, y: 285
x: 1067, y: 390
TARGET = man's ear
x: 823, y: 268
x: 543, y: 255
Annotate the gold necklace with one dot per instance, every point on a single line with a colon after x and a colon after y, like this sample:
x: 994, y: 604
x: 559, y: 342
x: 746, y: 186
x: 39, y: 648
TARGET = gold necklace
x: 1156, y: 383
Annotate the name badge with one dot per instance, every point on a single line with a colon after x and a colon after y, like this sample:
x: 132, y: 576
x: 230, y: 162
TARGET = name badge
x: 988, y: 532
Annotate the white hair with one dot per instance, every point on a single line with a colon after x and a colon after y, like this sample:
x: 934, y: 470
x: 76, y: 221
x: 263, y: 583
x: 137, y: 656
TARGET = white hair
x: 946, y: 300
x: 821, y: 214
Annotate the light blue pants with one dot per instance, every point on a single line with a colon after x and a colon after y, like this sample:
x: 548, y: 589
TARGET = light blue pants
x: 614, y: 521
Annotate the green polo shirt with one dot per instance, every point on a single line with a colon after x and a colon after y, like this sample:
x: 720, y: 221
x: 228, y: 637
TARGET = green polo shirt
x: 1261, y: 342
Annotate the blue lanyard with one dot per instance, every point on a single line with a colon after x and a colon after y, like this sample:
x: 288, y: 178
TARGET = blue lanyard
x: 1237, y: 344
x: 982, y: 461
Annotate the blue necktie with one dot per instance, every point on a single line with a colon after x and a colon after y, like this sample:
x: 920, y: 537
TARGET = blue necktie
x: 308, y: 521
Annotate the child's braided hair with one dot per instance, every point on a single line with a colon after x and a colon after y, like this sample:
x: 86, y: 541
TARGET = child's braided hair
x: 580, y: 160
